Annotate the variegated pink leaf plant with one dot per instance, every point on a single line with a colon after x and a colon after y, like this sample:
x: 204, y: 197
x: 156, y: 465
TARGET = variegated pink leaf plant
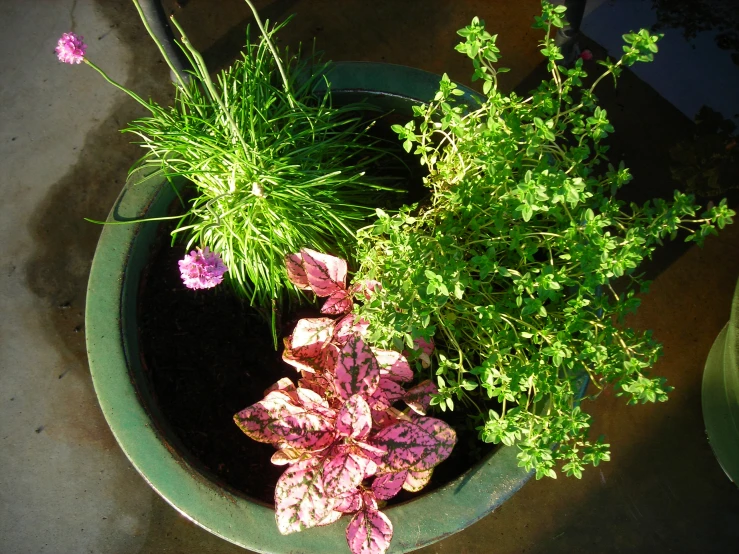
x: 346, y: 445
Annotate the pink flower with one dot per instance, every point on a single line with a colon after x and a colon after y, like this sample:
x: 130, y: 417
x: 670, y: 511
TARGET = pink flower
x: 202, y: 269
x: 586, y: 55
x: 70, y: 48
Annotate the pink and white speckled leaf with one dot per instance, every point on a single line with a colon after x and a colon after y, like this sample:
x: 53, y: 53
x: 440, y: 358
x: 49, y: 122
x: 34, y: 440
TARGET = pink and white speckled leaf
x: 326, y: 274
x: 308, y: 347
x: 374, y: 452
x: 440, y: 430
x: 416, y: 480
x: 393, y: 365
x: 369, y: 499
x: 287, y: 456
x: 285, y: 385
x: 392, y: 390
x: 357, y: 371
x: 256, y: 420
x: 366, y: 287
x: 348, y: 326
x: 311, y: 332
x: 330, y: 358
x: 332, y: 517
x: 310, y: 398
x: 310, y: 364
x: 320, y: 383
x: 418, y: 445
x: 338, y: 302
x: 295, y: 271
x: 314, y: 402
x: 307, y: 430
x: 343, y: 473
x: 344, y: 329
x: 419, y: 397
x: 387, y: 485
x: 354, y: 419
x: 369, y: 532
x: 387, y: 417
x: 349, y: 503
x: 300, y: 501
x: 378, y: 403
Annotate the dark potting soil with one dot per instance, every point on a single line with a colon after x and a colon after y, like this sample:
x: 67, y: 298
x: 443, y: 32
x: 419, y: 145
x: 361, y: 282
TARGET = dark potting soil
x: 208, y: 356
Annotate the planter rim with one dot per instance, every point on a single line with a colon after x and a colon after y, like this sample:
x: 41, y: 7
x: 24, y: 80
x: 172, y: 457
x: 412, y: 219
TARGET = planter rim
x: 112, y: 348
x: 720, y: 394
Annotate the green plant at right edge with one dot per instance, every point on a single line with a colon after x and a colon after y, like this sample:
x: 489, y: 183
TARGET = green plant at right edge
x: 523, y: 263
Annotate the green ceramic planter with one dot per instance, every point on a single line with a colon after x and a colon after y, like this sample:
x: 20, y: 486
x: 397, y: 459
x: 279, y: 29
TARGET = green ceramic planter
x: 720, y: 394
x: 126, y: 401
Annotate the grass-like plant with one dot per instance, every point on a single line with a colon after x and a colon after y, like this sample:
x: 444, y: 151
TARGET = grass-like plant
x: 274, y: 165
x: 523, y: 264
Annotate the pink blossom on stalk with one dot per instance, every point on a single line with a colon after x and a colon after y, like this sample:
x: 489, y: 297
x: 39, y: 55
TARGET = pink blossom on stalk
x: 70, y: 48
x: 202, y: 269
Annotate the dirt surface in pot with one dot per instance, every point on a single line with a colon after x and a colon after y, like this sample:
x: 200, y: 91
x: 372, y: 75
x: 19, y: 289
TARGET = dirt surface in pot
x: 207, y: 356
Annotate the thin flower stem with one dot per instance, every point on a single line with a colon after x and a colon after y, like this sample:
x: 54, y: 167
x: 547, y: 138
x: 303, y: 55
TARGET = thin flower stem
x: 132, y: 94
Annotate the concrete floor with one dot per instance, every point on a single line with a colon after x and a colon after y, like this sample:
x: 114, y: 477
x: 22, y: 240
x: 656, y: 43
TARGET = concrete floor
x: 65, y: 487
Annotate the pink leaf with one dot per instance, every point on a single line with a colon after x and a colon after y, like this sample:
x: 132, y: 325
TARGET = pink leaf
x: 369, y: 532
x: 419, y: 397
x: 287, y: 456
x: 374, y: 452
x: 308, y: 348
x: 344, y: 329
x: 300, y: 501
x: 393, y: 365
x: 326, y: 274
x: 417, y: 445
x: 338, y: 302
x: 318, y: 383
x: 349, y: 503
x: 387, y: 485
x: 295, y: 271
x: 256, y: 420
x: 369, y: 500
x: 426, y: 346
x: 285, y: 385
x: 416, y: 480
x: 310, y: 399
x: 354, y: 419
x: 357, y: 371
x: 332, y: 517
x: 343, y: 473
x: 392, y: 390
x: 310, y: 332
x: 384, y: 418
x: 314, y: 402
x: 306, y: 430
x: 348, y: 326
x: 367, y: 287
x: 423, y: 350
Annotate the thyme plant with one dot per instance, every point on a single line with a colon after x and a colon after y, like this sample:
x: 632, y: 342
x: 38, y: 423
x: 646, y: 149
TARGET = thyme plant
x: 523, y: 263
